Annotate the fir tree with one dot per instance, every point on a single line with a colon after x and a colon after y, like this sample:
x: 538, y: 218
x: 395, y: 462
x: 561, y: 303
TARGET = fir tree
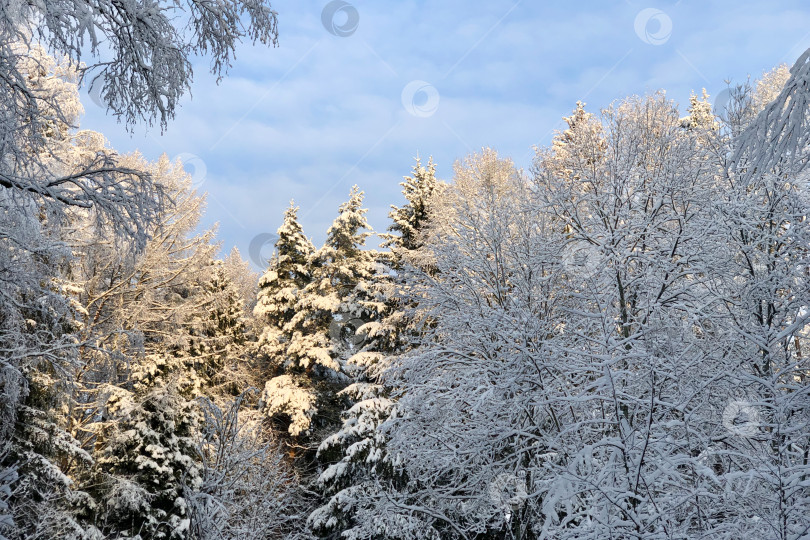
x: 219, y: 336
x: 148, y: 464
x: 244, y: 278
x: 356, y: 460
x: 700, y: 112
x: 280, y: 289
x: 288, y: 273
x: 408, y: 220
x: 311, y: 364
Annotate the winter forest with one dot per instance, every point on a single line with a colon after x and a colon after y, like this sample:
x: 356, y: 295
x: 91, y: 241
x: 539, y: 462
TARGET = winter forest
x: 614, y: 344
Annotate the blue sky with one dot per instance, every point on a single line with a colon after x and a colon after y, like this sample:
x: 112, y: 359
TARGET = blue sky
x: 322, y: 112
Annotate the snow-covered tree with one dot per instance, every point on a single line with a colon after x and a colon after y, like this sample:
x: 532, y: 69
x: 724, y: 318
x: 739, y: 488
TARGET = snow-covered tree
x: 630, y: 359
x: 355, y: 455
x: 318, y: 336
x: 409, y: 219
x: 148, y: 460
x: 43, y: 500
x: 248, y: 487
x: 280, y: 289
x: 526, y: 409
x: 49, y: 176
x: 763, y: 293
x: 281, y: 286
x: 139, y: 52
x: 460, y: 392
x: 67, y: 199
x: 780, y: 135
x: 144, y: 315
x: 219, y: 335
x: 701, y: 115
x: 242, y: 275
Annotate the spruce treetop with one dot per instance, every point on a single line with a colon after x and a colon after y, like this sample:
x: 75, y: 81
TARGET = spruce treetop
x: 411, y: 217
